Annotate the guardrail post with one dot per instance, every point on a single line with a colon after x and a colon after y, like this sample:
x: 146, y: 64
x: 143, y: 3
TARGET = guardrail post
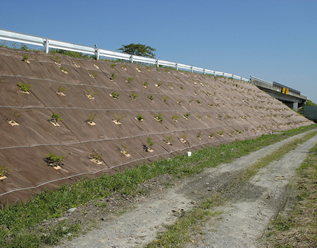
x: 191, y: 69
x: 157, y: 63
x: 131, y: 58
x: 176, y: 65
x: 97, y: 53
x: 46, y: 44
x: 204, y: 71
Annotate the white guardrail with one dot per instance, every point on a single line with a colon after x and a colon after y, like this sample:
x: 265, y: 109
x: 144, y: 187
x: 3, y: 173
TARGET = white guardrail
x: 49, y: 43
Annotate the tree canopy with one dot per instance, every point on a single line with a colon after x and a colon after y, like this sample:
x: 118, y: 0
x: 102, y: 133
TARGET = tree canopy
x: 138, y: 49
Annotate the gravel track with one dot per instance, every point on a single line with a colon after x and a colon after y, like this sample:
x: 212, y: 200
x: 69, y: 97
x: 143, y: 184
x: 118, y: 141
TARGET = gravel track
x: 244, y: 217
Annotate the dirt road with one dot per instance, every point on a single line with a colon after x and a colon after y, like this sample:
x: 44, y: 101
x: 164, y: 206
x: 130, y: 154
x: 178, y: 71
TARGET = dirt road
x: 244, y: 216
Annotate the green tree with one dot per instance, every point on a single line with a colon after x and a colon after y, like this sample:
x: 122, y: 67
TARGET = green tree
x: 138, y: 49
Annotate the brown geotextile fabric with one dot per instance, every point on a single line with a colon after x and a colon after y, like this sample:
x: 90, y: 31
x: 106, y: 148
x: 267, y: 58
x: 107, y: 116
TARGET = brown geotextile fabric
x: 215, y: 104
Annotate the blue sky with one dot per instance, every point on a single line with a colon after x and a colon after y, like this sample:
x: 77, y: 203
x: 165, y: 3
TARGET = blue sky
x: 273, y: 40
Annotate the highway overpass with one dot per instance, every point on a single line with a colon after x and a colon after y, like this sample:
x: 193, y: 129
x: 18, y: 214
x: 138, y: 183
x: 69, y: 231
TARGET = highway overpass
x: 292, y: 98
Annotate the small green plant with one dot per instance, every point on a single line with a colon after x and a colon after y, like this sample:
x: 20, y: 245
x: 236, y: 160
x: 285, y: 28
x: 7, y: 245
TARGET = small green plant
x: 165, y: 98
x: 118, y: 118
x: 178, y: 78
x: 181, y: 87
x: 221, y: 132
x: 211, y: 135
x: 170, y: 86
x: 113, y: 65
x: 140, y: 117
x: 208, y: 116
x: 134, y: 95
x: 115, y: 95
x: 228, y: 116
x: 56, y: 117
x: 199, y: 117
x: 125, y: 150
x: 168, y: 140
x: 4, y: 170
x: 63, y: 69
x: 159, y: 117
x: 199, y: 134
x: 183, y: 138
x: 219, y: 116
x: 190, y: 101
x: 90, y: 94
x: 145, y: 84
x: 96, y: 155
x: 56, y: 59
x: 124, y: 67
x: 151, y: 97
x: 92, y: 74
x: 179, y: 101
x: 53, y: 160
x: 113, y: 76
x: 24, y: 87
x: 61, y: 89
x: 175, y: 118
x: 198, y: 101
x: 14, y: 116
x: 130, y: 79
x: 25, y: 58
x: 150, y: 142
x: 186, y: 115
x: 158, y: 85
x: 92, y: 116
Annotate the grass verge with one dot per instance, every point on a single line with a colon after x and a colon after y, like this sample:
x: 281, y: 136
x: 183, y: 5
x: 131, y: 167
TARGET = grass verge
x: 19, y: 222
x: 297, y: 226
x: 180, y: 232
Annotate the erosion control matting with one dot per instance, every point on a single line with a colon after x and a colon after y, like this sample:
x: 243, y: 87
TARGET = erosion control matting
x: 220, y: 110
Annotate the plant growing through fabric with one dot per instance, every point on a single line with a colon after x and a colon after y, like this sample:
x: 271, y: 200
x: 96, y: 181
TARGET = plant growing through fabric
x: 24, y: 87
x: 25, y: 58
x: 211, y: 135
x: 140, y: 117
x: 92, y: 116
x: 63, y: 69
x: 61, y: 89
x: 183, y: 138
x: 134, y: 95
x: 168, y: 140
x: 4, y: 171
x: 54, y: 160
x: 190, y: 101
x: 165, y: 98
x: 199, y: 117
x: 118, y: 118
x: 124, y: 150
x: 170, y: 86
x: 14, y: 116
x: 146, y: 84
x: 179, y: 101
x: 186, y: 115
x: 113, y: 65
x: 95, y: 155
x: 198, y: 102
x: 151, y: 97
x: 150, y: 144
x: 56, y: 59
x: 113, y: 76
x: 130, y: 79
x: 221, y: 133
x: 159, y: 117
x: 92, y: 74
x: 199, y: 134
x: 56, y: 117
x: 91, y: 94
x: 115, y: 95
x: 158, y: 85
x: 175, y: 118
